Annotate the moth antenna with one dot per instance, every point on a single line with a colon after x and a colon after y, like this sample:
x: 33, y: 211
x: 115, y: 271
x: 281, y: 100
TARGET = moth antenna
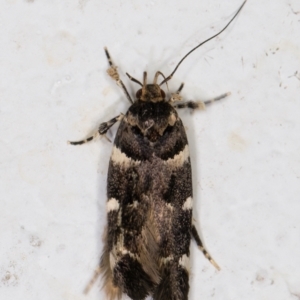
x: 171, y: 75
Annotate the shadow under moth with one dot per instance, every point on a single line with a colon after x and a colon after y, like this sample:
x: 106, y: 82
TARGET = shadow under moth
x: 149, y: 194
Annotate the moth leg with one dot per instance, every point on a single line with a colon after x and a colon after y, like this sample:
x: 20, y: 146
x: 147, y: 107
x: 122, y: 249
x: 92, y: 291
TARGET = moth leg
x: 196, y: 237
x: 103, y: 128
x: 217, y: 98
x: 180, y: 88
x: 176, y: 96
x: 199, y: 104
x: 113, y: 73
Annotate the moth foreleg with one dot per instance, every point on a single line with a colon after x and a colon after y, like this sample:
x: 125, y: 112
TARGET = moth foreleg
x: 84, y: 141
x: 196, y: 237
x: 103, y: 128
x: 199, y: 104
x: 176, y: 96
x: 113, y: 73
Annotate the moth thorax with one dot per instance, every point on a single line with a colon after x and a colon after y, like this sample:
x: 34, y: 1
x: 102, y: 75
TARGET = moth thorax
x: 151, y: 93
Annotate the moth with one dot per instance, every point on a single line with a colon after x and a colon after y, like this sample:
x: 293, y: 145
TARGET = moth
x: 149, y: 194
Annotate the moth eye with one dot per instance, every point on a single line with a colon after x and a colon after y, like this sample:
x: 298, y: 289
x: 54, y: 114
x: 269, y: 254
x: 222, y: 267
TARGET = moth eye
x: 139, y: 94
x: 162, y: 93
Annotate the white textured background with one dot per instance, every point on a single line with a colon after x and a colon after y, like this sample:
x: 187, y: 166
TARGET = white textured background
x: 245, y: 150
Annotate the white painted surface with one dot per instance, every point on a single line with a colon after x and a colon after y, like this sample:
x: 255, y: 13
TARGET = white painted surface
x: 245, y: 150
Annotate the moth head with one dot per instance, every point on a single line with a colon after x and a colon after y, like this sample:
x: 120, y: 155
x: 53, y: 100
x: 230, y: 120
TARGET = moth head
x: 150, y: 92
